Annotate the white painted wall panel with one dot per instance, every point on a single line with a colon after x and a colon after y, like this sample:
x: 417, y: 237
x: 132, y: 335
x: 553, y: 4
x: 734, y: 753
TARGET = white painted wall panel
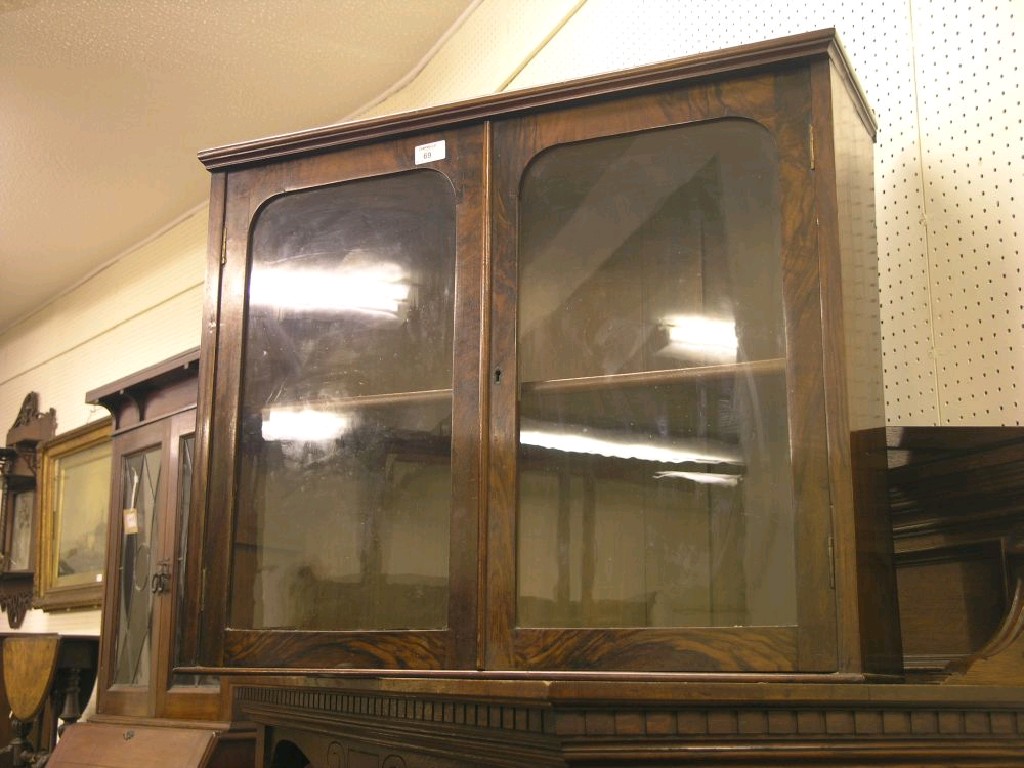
x: 138, y: 311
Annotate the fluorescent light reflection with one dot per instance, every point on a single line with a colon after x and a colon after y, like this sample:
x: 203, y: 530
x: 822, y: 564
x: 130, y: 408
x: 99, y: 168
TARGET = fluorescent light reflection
x: 378, y: 288
x: 612, y: 444
x: 705, y: 478
x: 303, y: 425
x: 699, y: 336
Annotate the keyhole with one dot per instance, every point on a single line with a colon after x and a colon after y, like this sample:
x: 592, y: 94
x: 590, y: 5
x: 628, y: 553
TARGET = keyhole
x: 497, y: 375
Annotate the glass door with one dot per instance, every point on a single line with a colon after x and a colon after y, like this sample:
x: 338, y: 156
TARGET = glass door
x: 180, y: 696
x: 654, y: 479
x: 652, y: 521
x: 345, y: 494
x: 141, y: 569
x: 361, y: 292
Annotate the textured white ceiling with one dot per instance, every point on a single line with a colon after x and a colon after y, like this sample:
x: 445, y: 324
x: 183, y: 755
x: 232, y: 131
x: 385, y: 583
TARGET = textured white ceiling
x: 105, y: 103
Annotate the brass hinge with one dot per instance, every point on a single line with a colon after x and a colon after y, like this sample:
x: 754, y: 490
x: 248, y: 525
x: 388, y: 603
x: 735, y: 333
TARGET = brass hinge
x: 810, y: 136
x: 831, y: 563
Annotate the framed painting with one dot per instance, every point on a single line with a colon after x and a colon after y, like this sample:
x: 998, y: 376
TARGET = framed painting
x: 74, y: 506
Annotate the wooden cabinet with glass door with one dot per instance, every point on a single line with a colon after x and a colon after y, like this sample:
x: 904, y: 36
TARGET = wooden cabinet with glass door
x: 153, y: 467
x: 656, y: 516
x: 548, y: 429
x: 356, y: 436
x: 584, y: 379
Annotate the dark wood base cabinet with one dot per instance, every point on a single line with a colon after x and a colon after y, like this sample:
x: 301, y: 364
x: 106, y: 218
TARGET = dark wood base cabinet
x: 459, y: 724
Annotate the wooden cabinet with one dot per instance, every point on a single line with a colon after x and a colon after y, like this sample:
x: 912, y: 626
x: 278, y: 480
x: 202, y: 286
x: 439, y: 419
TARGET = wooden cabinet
x: 582, y: 379
x: 568, y: 383
x: 547, y: 429
x: 153, y: 449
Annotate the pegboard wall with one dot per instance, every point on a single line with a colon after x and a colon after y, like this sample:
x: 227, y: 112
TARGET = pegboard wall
x: 944, y: 79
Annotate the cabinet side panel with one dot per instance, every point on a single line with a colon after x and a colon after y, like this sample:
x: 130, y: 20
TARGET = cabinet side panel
x: 783, y: 104
x: 865, y: 576
x: 880, y: 635
x: 858, y: 250
x: 192, y: 605
x: 218, y: 430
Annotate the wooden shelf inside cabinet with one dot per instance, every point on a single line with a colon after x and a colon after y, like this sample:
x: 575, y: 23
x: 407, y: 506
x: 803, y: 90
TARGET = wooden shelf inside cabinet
x: 699, y: 374
x: 353, y: 402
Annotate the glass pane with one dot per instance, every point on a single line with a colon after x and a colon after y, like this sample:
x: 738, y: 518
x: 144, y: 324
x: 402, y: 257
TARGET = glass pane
x: 21, y: 530
x: 345, y: 479
x: 140, y: 537
x: 81, y: 487
x: 186, y: 454
x: 654, y: 479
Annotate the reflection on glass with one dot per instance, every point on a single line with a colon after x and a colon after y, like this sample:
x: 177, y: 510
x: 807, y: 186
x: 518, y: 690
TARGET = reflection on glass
x: 140, y: 535
x: 345, y: 480
x: 697, y: 337
x: 186, y: 455
x: 21, y: 533
x: 654, y: 477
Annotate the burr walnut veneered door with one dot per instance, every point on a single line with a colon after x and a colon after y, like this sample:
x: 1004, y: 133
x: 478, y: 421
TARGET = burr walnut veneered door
x: 646, y: 490
x: 348, y: 535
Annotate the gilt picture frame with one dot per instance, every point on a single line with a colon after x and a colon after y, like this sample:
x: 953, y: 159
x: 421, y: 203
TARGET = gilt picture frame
x: 74, y: 488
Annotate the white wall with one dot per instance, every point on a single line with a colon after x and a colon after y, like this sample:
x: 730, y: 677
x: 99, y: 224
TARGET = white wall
x: 143, y: 308
x: 942, y: 76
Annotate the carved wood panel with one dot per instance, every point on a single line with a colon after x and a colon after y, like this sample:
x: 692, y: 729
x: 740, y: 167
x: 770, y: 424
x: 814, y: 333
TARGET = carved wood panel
x: 792, y: 725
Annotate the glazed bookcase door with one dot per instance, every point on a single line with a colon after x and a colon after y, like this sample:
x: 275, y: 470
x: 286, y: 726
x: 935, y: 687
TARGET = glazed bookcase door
x: 352, y: 282
x: 139, y: 497
x: 150, y: 493
x: 658, y: 494
x: 180, y: 696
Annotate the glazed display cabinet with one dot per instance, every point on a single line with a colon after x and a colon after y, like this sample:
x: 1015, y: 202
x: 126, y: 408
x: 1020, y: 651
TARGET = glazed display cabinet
x: 146, y: 713
x: 564, y: 380
x: 570, y: 394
